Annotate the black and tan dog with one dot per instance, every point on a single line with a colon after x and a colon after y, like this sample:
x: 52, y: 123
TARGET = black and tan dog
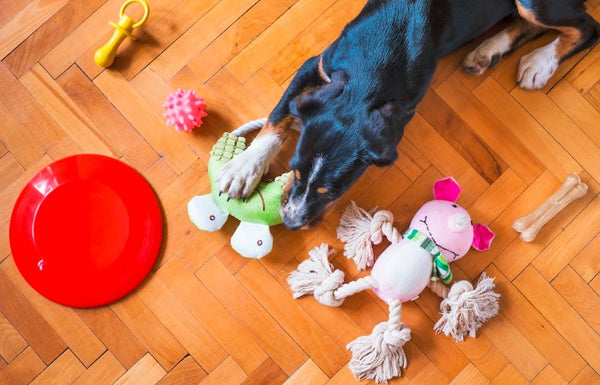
x: 351, y: 103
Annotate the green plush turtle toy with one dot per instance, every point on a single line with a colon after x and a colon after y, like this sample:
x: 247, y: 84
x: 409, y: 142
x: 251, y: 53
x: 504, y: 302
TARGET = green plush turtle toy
x: 252, y: 238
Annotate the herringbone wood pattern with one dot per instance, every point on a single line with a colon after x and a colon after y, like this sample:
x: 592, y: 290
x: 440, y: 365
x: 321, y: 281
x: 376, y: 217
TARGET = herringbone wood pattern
x: 206, y: 315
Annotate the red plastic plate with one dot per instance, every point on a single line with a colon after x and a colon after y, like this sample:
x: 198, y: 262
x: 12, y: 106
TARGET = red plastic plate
x: 86, y: 230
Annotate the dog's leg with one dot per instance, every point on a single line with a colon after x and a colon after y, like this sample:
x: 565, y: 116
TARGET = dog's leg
x: 489, y: 52
x: 241, y: 175
x: 577, y: 32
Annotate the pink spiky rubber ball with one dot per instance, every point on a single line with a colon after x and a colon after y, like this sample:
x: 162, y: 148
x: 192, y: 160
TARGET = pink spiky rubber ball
x: 185, y: 110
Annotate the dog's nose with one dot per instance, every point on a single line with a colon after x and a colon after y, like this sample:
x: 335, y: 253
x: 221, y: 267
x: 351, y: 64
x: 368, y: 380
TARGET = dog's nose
x: 293, y: 223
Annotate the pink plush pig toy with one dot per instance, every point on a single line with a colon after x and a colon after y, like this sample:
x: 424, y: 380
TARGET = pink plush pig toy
x: 440, y: 232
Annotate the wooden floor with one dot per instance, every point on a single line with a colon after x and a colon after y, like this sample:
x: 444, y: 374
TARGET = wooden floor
x: 206, y: 315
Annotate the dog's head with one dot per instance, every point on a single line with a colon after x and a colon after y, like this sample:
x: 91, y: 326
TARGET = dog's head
x: 339, y: 139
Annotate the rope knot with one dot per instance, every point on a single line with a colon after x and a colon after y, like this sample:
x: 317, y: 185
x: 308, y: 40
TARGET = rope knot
x: 383, y: 224
x: 325, y: 291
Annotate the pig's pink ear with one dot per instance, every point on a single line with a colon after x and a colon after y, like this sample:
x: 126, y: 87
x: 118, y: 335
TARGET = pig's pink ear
x: 482, y: 237
x: 446, y: 189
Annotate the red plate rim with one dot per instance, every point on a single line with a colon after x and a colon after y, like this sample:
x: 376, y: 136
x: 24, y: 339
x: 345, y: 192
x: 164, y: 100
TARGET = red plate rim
x: 86, y: 230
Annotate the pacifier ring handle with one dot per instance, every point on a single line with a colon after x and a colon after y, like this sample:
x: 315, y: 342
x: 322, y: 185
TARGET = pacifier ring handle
x: 143, y: 4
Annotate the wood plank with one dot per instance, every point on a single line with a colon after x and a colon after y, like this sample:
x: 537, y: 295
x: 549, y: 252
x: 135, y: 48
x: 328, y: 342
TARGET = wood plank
x: 578, y: 109
x: 585, y: 377
x: 309, y: 373
x: 527, y: 129
x: 267, y: 373
x: 296, y: 322
x: 587, y: 262
x: 560, y: 314
x: 457, y: 133
x: 12, y: 343
x: 209, y: 27
x: 558, y: 124
x: 28, y: 321
x: 146, y: 121
x: 424, y: 137
x: 64, y: 370
x: 150, y: 331
x: 82, y: 38
x: 548, y: 376
x: 10, y: 170
x: 579, y: 295
x: 45, y: 38
x: 517, y: 254
x: 22, y: 144
x: 538, y: 330
x: 220, y: 51
x: 121, y: 135
x: 113, y: 333
x: 102, y: 372
x: 212, y: 315
x: 510, y: 375
x: 184, y: 327
x: 72, y: 330
x: 34, y: 120
x: 146, y: 371
x: 66, y: 113
x: 491, y: 130
x: 187, y: 371
x: 571, y: 241
x: 152, y: 38
x: 265, y: 46
x: 22, y: 369
x: 470, y: 375
x: 515, y: 346
x: 228, y: 373
x: 26, y: 22
x: 249, y: 313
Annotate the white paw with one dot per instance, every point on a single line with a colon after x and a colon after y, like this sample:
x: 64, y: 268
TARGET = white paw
x: 240, y: 176
x: 487, y: 54
x: 537, y: 67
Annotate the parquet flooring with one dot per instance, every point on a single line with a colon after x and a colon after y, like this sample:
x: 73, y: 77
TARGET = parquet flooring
x: 206, y: 315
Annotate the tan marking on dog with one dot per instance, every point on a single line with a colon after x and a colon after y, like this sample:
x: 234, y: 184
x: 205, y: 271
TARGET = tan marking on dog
x: 569, y: 37
x: 322, y: 73
x: 281, y: 129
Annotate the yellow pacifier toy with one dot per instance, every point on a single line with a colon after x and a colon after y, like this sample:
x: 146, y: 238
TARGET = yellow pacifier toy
x: 105, y: 56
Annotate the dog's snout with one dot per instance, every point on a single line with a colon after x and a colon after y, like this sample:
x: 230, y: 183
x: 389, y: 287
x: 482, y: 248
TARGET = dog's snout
x: 293, y: 215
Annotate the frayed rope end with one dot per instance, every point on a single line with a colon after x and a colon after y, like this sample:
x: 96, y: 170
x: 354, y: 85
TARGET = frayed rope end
x: 466, y: 308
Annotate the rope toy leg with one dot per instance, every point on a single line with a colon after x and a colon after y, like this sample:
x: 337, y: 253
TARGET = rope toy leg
x: 359, y: 228
x: 466, y: 308
x: 316, y: 276
x: 379, y: 356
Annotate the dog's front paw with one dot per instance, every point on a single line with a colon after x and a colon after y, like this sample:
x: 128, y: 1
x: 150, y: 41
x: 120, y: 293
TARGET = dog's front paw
x: 240, y: 176
x: 487, y: 54
x: 537, y: 67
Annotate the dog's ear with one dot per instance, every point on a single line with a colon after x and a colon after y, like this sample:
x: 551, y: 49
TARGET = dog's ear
x: 311, y: 101
x: 383, y: 132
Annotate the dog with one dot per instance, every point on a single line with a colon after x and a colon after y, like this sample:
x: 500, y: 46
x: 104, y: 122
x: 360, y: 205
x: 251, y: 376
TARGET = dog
x: 352, y: 102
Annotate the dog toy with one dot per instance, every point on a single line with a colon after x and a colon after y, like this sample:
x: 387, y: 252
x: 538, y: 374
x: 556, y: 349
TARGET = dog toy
x: 530, y: 225
x: 252, y: 238
x: 440, y: 232
x: 105, y: 56
x: 185, y: 110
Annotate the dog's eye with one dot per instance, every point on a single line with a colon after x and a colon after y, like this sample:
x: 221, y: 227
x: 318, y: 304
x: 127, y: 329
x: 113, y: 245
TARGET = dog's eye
x: 297, y: 174
x: 322, y: 190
